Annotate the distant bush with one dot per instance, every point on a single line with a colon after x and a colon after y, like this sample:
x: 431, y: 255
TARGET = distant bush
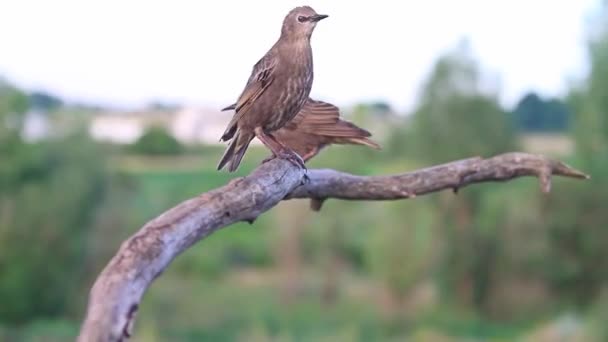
x: 535, y: 114
x: 157, y: 141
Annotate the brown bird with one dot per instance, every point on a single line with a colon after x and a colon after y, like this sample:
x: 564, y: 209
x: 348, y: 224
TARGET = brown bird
x: 317, y: 125
x: 275, y: 92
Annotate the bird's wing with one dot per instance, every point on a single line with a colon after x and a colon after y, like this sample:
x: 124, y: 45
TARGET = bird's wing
x: 322, y: 118
x: 261, y: 78
x: 313, y: 114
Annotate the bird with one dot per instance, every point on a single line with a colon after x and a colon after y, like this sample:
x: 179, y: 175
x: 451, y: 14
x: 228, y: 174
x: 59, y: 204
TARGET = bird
x: 278, y: 87
x: 318, y: 125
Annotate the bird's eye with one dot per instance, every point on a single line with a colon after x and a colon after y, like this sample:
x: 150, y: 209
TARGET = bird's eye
x: 302, y: 18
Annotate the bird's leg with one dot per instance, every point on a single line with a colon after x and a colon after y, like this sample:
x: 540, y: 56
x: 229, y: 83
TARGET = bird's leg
x: 278, y: 150
x: 288, y: 153
x: 268, y: 141
x: 310, y: 154
x: 307, y: 157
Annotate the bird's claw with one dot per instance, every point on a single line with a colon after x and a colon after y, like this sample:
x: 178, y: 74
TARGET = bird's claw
x: 305, y: 179
x: 290, y: 156
x: 266, y: 160
x: 295, y: 159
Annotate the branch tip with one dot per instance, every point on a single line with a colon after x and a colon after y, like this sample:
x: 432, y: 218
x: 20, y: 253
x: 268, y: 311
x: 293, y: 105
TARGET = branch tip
x: 316, y: 203
x: 563, y: 169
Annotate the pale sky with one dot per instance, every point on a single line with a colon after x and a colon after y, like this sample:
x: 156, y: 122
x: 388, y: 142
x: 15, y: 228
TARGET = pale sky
x: 130, y: 52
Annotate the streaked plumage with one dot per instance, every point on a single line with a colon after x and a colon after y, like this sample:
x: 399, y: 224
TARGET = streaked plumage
x: 317, y: 125
x: 275, y: 92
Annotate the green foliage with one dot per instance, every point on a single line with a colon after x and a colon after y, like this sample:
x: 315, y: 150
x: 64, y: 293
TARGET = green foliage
x: 578, y: 221
x: 46, y: 204
x: 577, y: 232
x: 13, y: 104
x: 455, y: 119
x: 401, y: 252
x: 591, y: 101
x: 38, y: 215
x: 157, y: 141
x: 460, y: 127
x: 48, y: 194
x: 41, y: 330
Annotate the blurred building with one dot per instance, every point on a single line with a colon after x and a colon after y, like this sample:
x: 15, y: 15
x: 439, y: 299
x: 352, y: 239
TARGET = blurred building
x: 205, y: 125
x: 36, y: 126
x: 199, y: 125
x: 119, y: 128
x: 188, y: 125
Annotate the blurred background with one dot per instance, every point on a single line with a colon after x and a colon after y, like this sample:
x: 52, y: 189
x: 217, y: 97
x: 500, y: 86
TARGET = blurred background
x: 109, y: 116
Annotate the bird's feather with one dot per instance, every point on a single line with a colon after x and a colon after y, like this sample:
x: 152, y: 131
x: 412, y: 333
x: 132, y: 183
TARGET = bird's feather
x: 313, y: 114
x: 231, y: 107
x: 322, y: 118
x: 261, y: 78
x: 235, y: 151
x: 359, y: 141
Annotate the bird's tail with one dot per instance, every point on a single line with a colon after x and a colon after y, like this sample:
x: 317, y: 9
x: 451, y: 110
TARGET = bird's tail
x: 365, y: 141
x: 348, y: 133
x: 235, y: 151
x: 231, y: 107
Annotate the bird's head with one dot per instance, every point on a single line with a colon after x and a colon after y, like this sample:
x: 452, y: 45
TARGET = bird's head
x: 300, y: 22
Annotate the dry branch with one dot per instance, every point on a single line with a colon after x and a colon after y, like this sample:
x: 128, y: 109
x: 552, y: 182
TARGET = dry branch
x: 115, y: 296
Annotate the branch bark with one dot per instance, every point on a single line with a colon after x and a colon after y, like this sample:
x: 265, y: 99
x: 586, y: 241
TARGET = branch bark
x: 116, y: 294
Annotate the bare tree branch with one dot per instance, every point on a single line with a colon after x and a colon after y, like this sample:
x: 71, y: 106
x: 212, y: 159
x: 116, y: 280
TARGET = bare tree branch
x: 115, y: 296
x: 334, y: 184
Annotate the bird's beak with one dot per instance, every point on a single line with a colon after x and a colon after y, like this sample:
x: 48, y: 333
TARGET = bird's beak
x: 318, y: 17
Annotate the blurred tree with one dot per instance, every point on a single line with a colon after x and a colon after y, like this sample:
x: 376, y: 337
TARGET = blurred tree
x: 533, y: 114
x: 590, y: 100
x: 381, y: 107
x: 577, y: 223
x: 48, y: 193
x: 378, y: 110
x: 157, y: 141
x: 162, y: 106
x: 402, y: 253
x: 13, y: 104
x: 44, y: 101
x: 46, y: 211
x: 292, y: 218
x: 457, y: 119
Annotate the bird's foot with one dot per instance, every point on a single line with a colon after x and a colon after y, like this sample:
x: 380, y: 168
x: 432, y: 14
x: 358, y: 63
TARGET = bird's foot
x: 293, y: 158
x: 288, y: 155
x: 306, y: 179
x: 266, y: 160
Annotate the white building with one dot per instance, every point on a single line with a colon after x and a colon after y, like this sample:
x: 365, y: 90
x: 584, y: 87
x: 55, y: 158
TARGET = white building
x: 116, y: 128
x: 36, y: 126
x: 199, y: 125
x: 188, y: 125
